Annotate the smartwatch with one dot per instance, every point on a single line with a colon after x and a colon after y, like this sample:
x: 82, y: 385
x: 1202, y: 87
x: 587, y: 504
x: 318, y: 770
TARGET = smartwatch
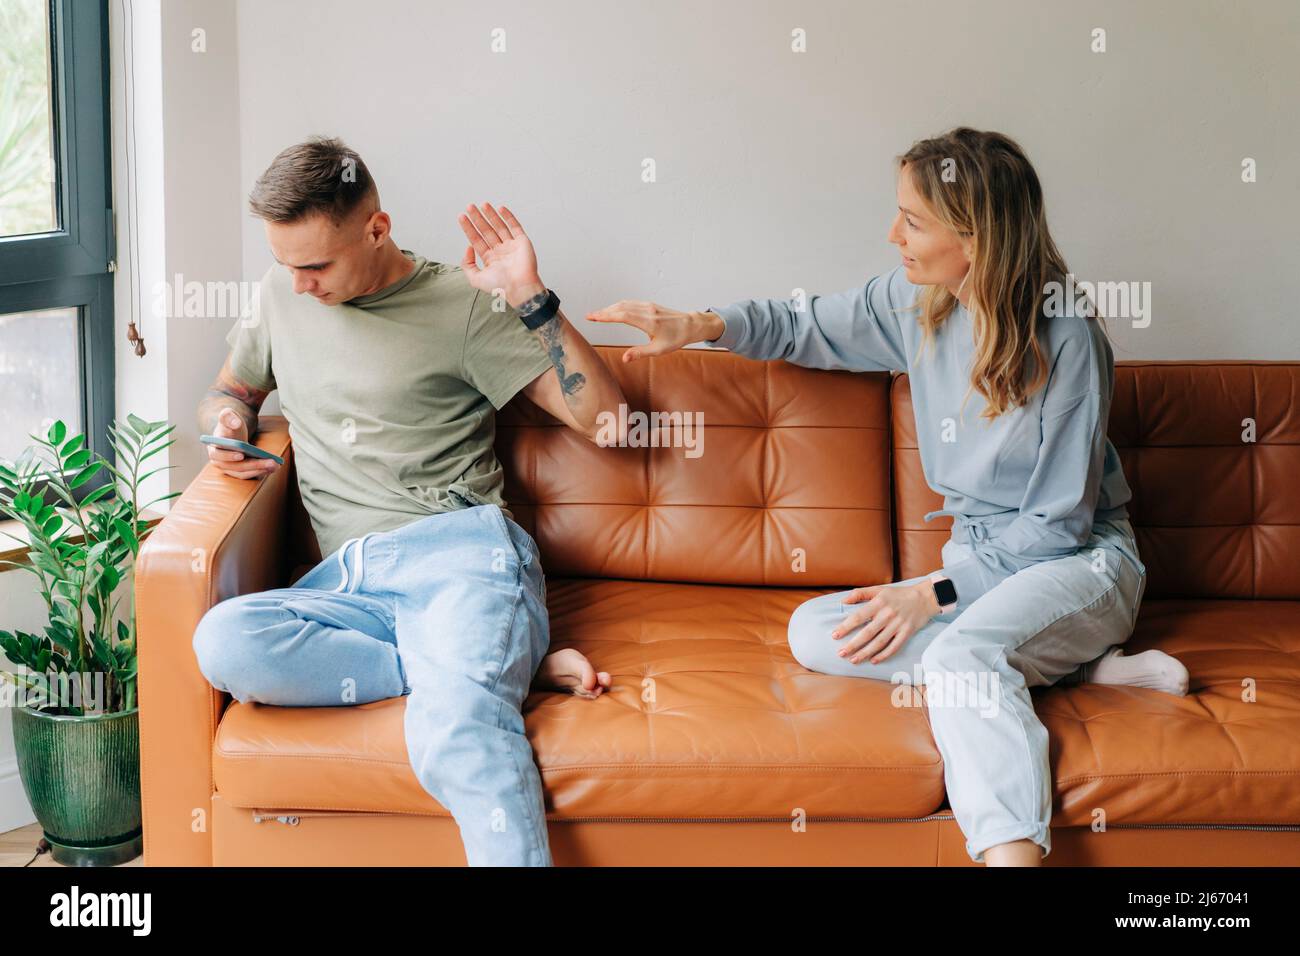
x: 945, y: 592
x: 535, y: 318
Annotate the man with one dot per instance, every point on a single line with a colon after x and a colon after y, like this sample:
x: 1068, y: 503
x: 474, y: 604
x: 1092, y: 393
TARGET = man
x: 390, y: 368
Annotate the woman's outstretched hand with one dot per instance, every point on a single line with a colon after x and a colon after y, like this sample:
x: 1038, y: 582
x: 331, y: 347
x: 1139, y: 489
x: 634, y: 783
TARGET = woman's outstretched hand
x: 891, y: 613
x: 669, y: 330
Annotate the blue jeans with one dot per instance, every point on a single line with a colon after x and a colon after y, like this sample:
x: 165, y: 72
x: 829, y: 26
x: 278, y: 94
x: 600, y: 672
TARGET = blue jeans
x: 978, y: 662
x: 450, y: 610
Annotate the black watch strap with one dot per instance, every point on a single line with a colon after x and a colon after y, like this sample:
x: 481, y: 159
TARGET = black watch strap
x: 535, y: 318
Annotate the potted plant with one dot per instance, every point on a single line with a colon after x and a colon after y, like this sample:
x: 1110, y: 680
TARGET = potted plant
x: 76, y: 730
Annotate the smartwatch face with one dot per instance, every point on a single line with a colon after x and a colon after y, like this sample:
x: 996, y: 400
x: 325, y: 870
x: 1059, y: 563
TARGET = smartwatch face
x: 946, y: 592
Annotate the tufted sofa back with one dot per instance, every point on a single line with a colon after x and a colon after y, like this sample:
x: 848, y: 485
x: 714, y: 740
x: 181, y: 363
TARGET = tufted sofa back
x: 787, y: 483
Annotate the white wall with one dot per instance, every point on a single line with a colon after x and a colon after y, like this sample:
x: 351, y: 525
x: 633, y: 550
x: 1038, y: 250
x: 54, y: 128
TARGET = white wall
x: 774, y: 168
x: 203, y: 200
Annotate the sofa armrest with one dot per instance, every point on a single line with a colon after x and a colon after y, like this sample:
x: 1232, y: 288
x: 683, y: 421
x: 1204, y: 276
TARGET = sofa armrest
x: 222, y: 537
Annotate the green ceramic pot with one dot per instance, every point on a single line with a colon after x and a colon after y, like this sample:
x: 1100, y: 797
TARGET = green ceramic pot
x: 82, y: 778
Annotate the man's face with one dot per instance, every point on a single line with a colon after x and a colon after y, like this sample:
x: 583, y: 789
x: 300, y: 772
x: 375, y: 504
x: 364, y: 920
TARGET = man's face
x: 332, y: 262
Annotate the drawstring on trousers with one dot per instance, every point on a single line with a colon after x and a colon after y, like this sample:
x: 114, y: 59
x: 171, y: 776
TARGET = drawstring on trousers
x: 975, y: 526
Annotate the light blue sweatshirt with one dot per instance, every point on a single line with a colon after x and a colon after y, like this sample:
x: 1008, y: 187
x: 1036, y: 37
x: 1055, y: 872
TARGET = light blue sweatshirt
x: 1026, y: 487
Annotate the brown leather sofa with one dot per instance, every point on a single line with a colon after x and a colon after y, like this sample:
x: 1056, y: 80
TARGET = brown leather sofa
x: 678, y: 574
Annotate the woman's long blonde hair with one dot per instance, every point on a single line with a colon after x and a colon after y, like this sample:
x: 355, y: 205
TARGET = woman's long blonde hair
x: 981, y: 184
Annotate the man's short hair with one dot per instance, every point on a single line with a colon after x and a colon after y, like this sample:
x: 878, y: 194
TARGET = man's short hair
x: 322, y: 175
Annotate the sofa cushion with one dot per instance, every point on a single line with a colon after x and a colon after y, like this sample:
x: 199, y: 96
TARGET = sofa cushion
x: 710, y: 716
x: 1228, y: 752
x: 714, y: 717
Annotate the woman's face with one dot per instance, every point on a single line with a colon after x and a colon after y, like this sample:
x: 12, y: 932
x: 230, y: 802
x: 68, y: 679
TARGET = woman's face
x: 933, y: 253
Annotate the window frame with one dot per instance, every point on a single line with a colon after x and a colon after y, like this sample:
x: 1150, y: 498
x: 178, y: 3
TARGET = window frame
x: 73, y: 265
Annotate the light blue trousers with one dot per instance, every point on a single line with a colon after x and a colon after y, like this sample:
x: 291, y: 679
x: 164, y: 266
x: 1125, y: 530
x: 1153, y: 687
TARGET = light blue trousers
x: 977, y: 663
x: 450, y: 610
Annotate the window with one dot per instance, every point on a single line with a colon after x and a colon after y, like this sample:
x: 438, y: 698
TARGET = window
x: 56, y: 222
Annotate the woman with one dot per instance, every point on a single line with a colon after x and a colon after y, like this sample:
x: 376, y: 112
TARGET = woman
x: 1042, y: 555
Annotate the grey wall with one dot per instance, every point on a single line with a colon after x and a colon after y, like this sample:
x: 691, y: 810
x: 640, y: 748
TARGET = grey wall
x: 774, y: 168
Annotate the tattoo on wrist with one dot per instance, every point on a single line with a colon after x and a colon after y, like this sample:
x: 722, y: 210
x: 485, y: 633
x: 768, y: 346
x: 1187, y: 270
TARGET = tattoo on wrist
x: 552, y: 333
x: 529, y: 306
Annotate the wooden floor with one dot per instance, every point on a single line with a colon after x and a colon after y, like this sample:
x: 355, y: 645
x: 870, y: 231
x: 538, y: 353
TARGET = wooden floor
x: 19, y: 846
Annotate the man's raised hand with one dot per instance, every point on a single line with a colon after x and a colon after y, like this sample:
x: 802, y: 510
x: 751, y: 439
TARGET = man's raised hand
x: 509, y: 262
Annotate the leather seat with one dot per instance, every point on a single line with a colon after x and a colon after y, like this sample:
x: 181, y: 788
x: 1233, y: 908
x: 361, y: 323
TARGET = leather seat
x: 706, y: 702
x: 1227, y: 753
x: 733, y: 704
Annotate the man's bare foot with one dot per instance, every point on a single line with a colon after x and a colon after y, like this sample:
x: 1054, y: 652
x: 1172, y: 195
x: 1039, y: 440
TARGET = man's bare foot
x: 569, y: 669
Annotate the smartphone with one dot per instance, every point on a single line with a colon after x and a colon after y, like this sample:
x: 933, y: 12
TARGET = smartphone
x: 234, y: 444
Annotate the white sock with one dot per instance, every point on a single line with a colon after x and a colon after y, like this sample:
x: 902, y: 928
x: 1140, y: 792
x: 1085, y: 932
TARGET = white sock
x: 1152, y: 669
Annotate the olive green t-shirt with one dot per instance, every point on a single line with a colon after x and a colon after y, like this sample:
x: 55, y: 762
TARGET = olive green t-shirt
x: 391, y: 396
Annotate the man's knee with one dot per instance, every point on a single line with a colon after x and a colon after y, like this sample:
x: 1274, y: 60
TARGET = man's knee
x: 220, y: 639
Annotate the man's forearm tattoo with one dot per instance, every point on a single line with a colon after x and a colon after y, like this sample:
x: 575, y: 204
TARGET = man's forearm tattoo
x: 552, y: 334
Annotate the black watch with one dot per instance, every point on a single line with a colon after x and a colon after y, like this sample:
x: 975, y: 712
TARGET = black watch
x: 945, y: 592
x: 534, y: 317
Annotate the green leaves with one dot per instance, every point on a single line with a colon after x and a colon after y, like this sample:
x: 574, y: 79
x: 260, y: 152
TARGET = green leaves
x: 77, y: 459
x: 82, y: 549
x: 60, y: 633
x: 29, y: 503
x: 98, y: 493
x: 111, y: 579
x: 127, y: 533
x: 86, y: 474
x: 32, y: 651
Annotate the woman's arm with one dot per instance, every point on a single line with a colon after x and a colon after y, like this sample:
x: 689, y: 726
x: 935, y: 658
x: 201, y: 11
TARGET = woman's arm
x: 859, y: 330
x: 668, y: 329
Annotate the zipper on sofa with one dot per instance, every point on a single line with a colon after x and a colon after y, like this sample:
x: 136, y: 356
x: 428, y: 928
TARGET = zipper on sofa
x: 754, y: 819
x: 1116, y: 826
x: 1203, y: 826
x: 294, y: 819
x: 262, y: 818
